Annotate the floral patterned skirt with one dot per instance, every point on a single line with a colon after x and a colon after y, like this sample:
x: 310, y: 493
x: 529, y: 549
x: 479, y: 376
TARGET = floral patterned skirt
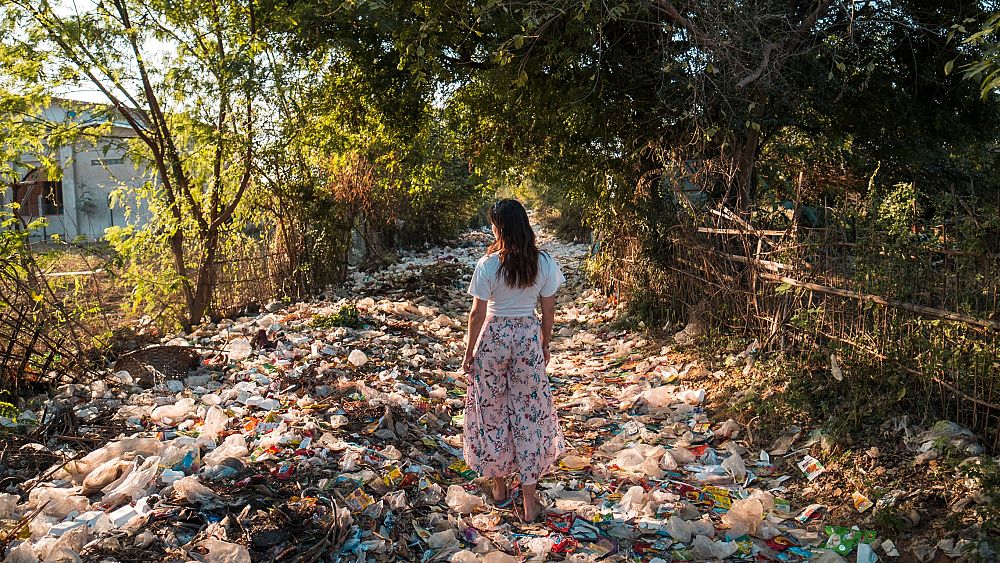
x: 511, y: 425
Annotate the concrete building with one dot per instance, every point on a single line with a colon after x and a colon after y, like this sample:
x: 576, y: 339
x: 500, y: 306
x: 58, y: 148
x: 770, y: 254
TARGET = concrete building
x: 78, y: 201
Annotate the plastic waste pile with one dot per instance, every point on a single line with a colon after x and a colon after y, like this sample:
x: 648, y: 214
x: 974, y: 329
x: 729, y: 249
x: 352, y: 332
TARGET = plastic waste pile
x: 331, y: 430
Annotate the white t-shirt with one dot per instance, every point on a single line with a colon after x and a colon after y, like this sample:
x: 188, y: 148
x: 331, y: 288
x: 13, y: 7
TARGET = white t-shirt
x: 505, y: 301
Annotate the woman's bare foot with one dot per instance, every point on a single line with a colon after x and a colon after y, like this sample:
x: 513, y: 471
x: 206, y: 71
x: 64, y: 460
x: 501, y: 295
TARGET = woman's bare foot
x: 532, y: 508
x: 500, y: 491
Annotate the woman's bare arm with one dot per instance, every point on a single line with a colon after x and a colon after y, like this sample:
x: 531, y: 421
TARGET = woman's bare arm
x: 477, y: 315
x: 548, y: 319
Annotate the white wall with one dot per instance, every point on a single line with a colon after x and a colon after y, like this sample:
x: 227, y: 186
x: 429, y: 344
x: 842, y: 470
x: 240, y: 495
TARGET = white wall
x: 90, y: 173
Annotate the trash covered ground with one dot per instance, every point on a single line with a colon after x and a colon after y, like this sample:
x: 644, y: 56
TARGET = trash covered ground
x: 331, y: 431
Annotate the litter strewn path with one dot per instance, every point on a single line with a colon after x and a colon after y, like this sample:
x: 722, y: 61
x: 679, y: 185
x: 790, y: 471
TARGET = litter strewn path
x: 331, y: 431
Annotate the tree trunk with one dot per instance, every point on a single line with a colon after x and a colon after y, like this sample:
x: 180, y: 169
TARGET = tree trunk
x: 205, y: 288
x: 745, y: 162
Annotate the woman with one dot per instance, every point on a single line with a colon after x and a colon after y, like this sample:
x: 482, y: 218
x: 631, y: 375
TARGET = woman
x: 511, y: 424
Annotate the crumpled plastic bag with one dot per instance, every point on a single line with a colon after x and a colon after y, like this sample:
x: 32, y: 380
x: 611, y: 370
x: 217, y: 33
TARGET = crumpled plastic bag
x: 175, y: 412
x: 659, y: 397
x: 77, y: 470
x: 461, y: 501
x: 61, y: 501
x: 743, y: 517
x: 216, y: 421
x: 642, y: 459
x: 704, y: 548
x: 735, y: 467
x: 729, y: 429
x: 499, y: 557
x: 23, y: 553
x: 105, y: 474
x: 7, y: 505
x: 464, y: 556
x: 235, y: 445
x: 225, y: 552
x: 679, y: 529
x: 692, y: 397
x: 442, y: 539
x: 131, y: 486
x: 191, y: 490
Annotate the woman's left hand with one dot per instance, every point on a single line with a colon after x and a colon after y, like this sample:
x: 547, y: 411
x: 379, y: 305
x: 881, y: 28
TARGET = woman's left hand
x: 547, y: 354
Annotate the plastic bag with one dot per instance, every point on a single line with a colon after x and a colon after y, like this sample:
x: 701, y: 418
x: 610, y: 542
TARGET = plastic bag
x: 239, y: 349
x: 105, y: 474
x: 224, y: 552
x: 60, y: 501
x: 679, y: 529
x: 442, y: 539
x: 7, y: 504
x: 132, y: 485
x: 461, y: 501
x: 77, y: 470
x: 735, y: 467
x: 191, y: 490
x: 464, y: 556
x: 743, y: 517
x: 704, y: 548
x: 23, y: 553
x: 357, y: 358
x: 691, y: 396
x: 175, y: 412
x: 235, y: 445
x: 215, y: 421
x: 499, y: 557
x: 659, y: 397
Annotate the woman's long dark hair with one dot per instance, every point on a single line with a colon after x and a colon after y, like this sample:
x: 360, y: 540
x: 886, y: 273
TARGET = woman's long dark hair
x: 515, y: 243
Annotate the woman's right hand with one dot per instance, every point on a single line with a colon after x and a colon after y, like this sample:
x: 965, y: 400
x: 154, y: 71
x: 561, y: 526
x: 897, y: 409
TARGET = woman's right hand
x: 467, y: 364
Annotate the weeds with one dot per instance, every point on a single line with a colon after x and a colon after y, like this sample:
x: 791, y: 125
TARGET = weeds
x: 347, y: 316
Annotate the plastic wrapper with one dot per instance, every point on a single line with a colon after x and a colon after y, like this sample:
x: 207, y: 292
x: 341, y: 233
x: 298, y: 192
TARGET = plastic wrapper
x: 704, y: 548
x: 743, y: 517
x: 235, y: 446
x: 132, y: 485
x: 61, y: 501
x: 225, y: 552
x: 462, y: 502
x: 175, y: 412
x: 191, y: 490
x: 215, y: 421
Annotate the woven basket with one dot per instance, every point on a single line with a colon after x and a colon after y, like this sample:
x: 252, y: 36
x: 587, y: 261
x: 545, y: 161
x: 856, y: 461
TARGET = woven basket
x: 158, y: 363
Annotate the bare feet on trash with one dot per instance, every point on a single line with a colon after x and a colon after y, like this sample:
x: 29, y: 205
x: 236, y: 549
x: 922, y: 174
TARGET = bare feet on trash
x: 500, y: 491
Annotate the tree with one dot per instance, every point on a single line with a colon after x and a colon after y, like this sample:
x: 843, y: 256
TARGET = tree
x: 188, y: 78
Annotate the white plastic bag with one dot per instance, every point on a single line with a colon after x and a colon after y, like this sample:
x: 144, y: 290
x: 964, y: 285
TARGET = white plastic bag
x: 704, y: 548
x: 191, y: 490
x: 224, y: 552
x: 175, y: 412
x: 215, y: 421
x: 235, y: 445
x: 461, y: 501
x: 735, y: 467
x: 743, y: 517
x: 132, y: 486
